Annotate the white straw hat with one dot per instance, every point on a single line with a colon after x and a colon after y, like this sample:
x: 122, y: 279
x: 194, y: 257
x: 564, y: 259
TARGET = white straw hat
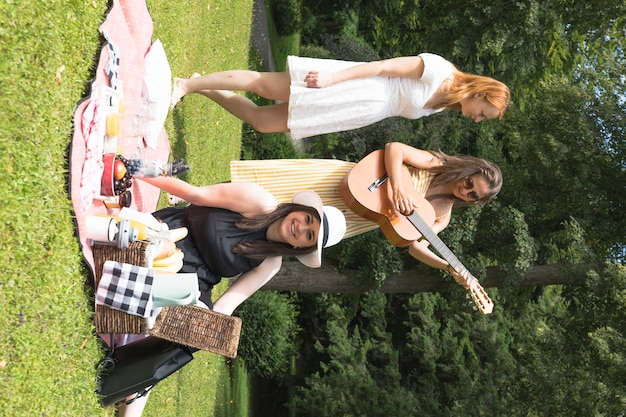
x: 332, y: 228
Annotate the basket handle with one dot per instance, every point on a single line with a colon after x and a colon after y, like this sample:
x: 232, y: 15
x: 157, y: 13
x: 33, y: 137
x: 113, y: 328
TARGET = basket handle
x: 183, y: 301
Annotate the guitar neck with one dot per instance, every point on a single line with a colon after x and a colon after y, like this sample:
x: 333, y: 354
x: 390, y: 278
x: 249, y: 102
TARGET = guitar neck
x: 435, y: 241
x: 480, y: 297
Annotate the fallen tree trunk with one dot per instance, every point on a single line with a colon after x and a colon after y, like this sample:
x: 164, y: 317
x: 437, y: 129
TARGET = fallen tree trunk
x: 294, y: 276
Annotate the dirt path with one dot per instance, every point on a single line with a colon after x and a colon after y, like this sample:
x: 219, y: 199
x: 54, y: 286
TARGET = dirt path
x: 259, y: 36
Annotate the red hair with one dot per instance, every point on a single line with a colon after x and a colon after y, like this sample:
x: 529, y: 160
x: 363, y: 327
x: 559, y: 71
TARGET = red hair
x: 466, y: 85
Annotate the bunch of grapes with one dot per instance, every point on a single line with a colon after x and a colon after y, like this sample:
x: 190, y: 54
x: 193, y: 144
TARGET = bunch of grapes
x: 133, y: 166
x: 124, y: 183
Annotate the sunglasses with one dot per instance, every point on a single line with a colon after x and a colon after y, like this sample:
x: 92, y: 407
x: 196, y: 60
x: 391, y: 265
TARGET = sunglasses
x: 468, y: 184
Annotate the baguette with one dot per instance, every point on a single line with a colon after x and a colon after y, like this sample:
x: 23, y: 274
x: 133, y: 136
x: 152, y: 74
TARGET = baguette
x: 167, y: 250
x: 178, y: 234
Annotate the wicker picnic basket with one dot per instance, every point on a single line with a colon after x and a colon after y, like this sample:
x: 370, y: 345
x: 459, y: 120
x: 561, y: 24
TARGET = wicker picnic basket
x: 200, y: 328
x: 107, y: 319
x: 134, y: 254
x: 193, y: 326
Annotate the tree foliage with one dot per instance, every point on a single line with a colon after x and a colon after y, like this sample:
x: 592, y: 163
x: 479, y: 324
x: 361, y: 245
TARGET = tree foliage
x: 520, y: 43
x: 560, y: 353
x: 361, y: 376
x: 546, y: 350
x: 561, y: 145
x: 268, y: 333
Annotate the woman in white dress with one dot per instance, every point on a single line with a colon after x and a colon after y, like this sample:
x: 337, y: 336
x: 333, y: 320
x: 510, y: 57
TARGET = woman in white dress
x: 317, y: 96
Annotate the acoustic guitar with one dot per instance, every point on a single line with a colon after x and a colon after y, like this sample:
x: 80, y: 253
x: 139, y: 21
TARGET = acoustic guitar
x: 366, y: 191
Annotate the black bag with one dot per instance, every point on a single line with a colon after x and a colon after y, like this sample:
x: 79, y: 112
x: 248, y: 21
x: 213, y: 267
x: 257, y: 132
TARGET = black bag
x: 137, y: 367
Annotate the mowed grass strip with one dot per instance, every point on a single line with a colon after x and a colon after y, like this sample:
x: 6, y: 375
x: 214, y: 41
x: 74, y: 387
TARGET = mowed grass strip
x: 48, y: 350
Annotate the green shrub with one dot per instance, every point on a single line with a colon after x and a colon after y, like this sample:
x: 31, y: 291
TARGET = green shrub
x: 370, y: 253
x: 315, y: 51
x: 268, y: 333
x: 361, y: 375
x: 255, y: 145
x: 350, y: 48
x: 287, y: 16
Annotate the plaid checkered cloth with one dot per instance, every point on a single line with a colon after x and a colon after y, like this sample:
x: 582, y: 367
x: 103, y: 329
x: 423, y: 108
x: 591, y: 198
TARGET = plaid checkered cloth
x: 127, y: 288
x: 113, y: 65
x: 92, y: 166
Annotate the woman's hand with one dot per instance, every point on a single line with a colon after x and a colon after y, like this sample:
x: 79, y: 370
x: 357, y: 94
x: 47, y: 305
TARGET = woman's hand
x: 316, y: 79
x: 464, y: 278
x: 402, y: 202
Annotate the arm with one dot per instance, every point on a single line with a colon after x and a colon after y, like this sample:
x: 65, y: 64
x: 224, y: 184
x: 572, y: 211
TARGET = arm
x: 408, y: 66
x: 240, y: 197
x: 419, y: 250
x: 396, y: 155
x: 246, y: 285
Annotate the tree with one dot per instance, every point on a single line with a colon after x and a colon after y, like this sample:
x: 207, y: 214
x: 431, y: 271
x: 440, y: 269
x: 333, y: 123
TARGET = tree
x: 520, y: 43
x: 362, y: 376
x: 570, y: 143
x: 570, y: 341
x: 560, y: 353
x: 295, y: 277
x: 555, y: 343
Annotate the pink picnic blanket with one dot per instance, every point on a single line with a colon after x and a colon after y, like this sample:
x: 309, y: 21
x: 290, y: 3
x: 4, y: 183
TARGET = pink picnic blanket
x: 128, y: 31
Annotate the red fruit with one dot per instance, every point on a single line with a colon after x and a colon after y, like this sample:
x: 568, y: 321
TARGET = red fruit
x: 119, y: 170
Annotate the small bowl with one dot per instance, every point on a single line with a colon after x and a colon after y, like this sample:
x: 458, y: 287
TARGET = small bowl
x: 107, y: 184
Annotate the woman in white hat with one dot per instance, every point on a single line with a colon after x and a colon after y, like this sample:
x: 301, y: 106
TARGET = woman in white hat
x: 239, y: 228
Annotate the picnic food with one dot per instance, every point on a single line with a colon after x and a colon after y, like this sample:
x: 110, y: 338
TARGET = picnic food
x: 122, y: 178
x: 176, y: 256
x: 111, y: 184
x: 169, y: 269
x: 168, y: 249
x: 172, y: 264
x: 113, y: 124
x: 125, y: 182
x: 178, y: 234
x: 134, y: 165
x: 119, y: 170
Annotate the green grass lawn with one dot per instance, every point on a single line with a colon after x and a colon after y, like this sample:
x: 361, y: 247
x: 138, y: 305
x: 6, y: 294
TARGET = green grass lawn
x: 48, y: 350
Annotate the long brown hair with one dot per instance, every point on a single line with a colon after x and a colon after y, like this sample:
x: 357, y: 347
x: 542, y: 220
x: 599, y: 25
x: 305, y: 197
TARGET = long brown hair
x: 465, y: 85
x: 455, y: 168
x: 261, y: 249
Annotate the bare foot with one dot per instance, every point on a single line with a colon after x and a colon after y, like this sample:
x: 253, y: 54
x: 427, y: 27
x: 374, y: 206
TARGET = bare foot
x: 178, y: 92
x: 173, y: 200
x: 180, y: 89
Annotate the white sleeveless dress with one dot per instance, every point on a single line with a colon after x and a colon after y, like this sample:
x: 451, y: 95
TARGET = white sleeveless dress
x: 357, y: 103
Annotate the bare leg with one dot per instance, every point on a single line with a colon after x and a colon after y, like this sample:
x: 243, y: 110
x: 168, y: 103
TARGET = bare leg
x: 271, y: 85
x: 134, y: 409
x: 264, y: 119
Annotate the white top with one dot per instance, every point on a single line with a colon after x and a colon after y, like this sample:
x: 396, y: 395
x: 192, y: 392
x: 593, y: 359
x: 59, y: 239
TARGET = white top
x: 357, y: 103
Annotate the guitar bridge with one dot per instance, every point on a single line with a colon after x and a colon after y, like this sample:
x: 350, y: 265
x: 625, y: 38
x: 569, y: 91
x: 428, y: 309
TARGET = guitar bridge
x: 376, y: 184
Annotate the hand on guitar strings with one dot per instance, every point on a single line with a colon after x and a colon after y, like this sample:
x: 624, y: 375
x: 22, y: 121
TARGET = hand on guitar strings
x: 403, y: 203
x: 463, y: 278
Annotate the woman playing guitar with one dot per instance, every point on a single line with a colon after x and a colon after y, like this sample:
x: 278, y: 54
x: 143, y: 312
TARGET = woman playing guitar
x: 443, y: 180
x: 455, y: 180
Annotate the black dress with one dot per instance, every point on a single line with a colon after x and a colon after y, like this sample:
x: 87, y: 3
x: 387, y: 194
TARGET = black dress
x: 207, y: 247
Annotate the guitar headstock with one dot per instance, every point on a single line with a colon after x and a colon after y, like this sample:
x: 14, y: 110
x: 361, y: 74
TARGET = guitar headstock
x: 480, y: 297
